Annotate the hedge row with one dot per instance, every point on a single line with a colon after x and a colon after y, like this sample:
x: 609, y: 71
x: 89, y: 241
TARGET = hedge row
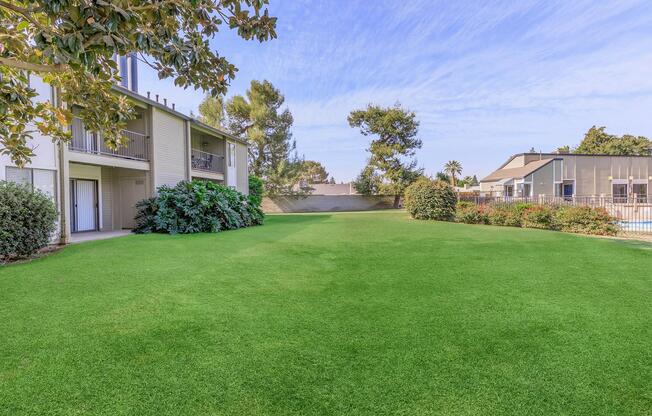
x: 573, y: 219
x: 435, y: 200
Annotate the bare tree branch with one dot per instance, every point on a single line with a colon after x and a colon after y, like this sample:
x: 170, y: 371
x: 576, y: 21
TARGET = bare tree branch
x: 14, y: 63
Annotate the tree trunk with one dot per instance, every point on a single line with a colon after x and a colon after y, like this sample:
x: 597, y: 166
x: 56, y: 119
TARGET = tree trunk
x: 397, y: 201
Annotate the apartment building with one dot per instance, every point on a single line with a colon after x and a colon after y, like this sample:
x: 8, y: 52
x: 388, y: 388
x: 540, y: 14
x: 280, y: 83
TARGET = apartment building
x: 96, y: 188
x: 619, y: 178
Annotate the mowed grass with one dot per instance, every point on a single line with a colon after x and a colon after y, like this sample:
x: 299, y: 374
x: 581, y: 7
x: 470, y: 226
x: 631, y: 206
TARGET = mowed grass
x: 360, y: 313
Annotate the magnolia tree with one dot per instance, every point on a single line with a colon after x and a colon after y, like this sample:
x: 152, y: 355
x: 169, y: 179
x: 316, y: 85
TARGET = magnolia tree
x: 72, y: 45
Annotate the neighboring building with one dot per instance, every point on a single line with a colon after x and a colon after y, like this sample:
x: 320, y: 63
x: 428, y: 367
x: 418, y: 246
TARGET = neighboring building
x: 96, y: 188
x: 467, y: 189
x: 622, y: 178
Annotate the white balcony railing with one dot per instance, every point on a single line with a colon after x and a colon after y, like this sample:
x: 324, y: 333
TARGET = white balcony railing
x: 207, y: 161
x: 137, y: 147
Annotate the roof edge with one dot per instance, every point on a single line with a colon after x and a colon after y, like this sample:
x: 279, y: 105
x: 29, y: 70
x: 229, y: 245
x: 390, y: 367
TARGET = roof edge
x: 160, y: 106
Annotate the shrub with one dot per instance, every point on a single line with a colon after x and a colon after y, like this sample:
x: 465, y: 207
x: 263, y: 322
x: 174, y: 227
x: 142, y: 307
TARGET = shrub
x: 505, y: 215
x: 430, y: 200
x: 585, y: 220
x: 196, y: 206
x: 256, y: 189
x: 539, y: 216
x: 27, y: 221
x: 470, y: 213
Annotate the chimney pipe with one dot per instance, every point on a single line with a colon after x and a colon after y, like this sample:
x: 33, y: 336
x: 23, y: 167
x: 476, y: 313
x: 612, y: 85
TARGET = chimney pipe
x: 157, y: 98
x: 173, y: 106
x: 165, y: 102
x: 148, y: 94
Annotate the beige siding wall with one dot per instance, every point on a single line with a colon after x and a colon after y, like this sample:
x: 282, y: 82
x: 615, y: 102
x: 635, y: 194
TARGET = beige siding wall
x: 542, y: 181
x: 592, y: 174
x: 585, y: 176
x: 490, y: 187
x: 108, y: 198
x: 517, y: 162
x: 169, y: 148
x: 532, y: 157
x: 242, y: 170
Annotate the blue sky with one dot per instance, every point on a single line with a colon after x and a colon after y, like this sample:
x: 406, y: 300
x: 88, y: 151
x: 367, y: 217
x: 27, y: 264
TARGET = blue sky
x: 486, y: 79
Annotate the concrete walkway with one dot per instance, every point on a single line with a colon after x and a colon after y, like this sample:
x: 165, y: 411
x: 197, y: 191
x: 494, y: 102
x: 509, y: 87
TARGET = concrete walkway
x: 97, y: 235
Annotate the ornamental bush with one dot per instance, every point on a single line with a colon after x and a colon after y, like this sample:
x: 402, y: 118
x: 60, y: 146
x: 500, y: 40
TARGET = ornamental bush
x: 256, y: 189
x: 585, y: 220
x: 539, y: 216
x: 470, y: 213
x: 505, y: 215
x: 27, y: 221
x: 195, y: 207
x: 430, y: 200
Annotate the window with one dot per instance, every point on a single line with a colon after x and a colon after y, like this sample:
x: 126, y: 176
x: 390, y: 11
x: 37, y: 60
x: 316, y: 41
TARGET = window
x: 640, y: 191
x: 527, y: 189
x: 128, y: 71
x: 509, y: 190
x: 38, y: 179
x: 619, y: 192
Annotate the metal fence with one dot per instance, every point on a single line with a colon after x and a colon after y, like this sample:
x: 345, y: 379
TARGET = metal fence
x: 632, y: 213
x: 207, y: 161
x: 137, y: 146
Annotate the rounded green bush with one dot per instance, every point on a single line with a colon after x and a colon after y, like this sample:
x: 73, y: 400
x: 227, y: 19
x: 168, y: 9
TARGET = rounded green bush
x: 430, y: 200
x: 27, y: 221
x: 195, y: 207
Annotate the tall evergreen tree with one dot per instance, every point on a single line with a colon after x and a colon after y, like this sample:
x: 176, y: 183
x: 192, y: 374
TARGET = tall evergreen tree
x: 392, y: 150
x: 212, y: 111
x: 259, y: 117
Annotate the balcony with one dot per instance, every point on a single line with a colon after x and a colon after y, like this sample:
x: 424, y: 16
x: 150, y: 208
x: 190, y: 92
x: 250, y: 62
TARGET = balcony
x: 137, y: 147
x: 208, y: 162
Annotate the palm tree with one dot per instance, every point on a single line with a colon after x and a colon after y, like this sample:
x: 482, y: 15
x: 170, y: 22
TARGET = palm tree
x: 452, y: 168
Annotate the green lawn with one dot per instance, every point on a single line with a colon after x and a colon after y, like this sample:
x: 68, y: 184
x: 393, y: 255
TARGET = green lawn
x: 361, y: 313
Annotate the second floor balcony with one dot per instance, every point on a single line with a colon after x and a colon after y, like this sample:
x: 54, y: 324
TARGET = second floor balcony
x: 208, y: 162
x: 137, y: 147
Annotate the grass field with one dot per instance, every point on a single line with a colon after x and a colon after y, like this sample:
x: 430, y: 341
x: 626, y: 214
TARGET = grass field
x: 361, y: 313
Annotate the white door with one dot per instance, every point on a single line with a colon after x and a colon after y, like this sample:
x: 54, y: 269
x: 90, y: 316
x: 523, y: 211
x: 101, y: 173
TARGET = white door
x: 131, y: 191
x: 231, y: 178
x: 84, y: 205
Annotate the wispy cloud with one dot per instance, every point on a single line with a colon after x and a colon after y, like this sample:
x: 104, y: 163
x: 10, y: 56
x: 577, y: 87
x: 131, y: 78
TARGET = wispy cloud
x: 487, y: 79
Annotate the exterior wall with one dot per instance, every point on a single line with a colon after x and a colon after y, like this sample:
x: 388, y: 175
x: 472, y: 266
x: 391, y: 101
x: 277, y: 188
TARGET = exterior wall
x: 517, y: 162
x: 542, y: 180
x: 591, y: 175
x: 531, y: 157
x: 327, y: 203
x: 108, y: 199
x: 242, y: 168
x: 169, y: 149
x: 490, y: 187
x: 46, y: 152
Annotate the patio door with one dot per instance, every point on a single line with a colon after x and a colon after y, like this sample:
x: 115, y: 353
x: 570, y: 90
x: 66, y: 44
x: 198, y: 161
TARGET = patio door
x: 84, y: 205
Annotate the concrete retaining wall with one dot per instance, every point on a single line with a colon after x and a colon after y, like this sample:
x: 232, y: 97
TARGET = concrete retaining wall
x: 327, y: 203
